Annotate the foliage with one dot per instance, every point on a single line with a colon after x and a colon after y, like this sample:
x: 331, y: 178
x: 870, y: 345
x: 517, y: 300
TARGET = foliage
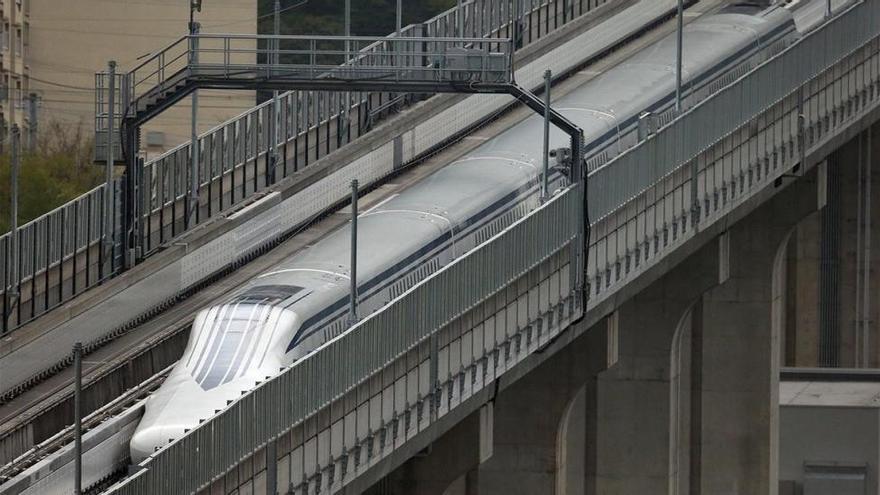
x: 368, y: 17
x: 60, y: 170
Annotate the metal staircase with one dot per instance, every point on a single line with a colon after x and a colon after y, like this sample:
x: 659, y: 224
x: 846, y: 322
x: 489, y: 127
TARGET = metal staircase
x: 328, y: 63
x: 331, y: 63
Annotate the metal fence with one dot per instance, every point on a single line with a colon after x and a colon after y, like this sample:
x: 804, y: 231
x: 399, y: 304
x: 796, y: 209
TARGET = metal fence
x: 716, y: 155
x: 233, y: 157
x: 776, y: 114
x: 57, y: 256
x: 347, y: 361
x: 712, y: 119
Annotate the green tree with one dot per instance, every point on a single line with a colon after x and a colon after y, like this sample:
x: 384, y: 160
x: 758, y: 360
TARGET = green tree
x: 368, y: 17
x: 58, y: 172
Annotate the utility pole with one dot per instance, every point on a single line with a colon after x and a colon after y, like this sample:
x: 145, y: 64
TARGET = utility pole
x: 32, y: 122
x: 108, y: 168
x: 459, y: 17
x: 353, y: 298
x: 276, y: 101
x: 13, y: 221
x: 828, y: 11
x: 195, y: 5
x: 347, y: 31
x: 347, y: 108
x: 548, y: 77
x: 679, y: 51
x: 399, y: 17
x: 77, y: 418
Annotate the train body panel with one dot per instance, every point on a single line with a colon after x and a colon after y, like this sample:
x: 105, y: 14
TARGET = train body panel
x: 284, y: 314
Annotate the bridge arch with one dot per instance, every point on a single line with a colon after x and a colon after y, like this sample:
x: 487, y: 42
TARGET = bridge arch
x: 571, y: 446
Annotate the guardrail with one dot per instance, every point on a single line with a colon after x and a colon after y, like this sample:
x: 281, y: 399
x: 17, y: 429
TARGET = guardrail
x: 59, y: 255
x: 349, y: 360
x: 234, y: 157
x: 241, y: 238
x: 232, y: 167
x: 713, y: 157
x: 323, y: 63
x: 645, y: 203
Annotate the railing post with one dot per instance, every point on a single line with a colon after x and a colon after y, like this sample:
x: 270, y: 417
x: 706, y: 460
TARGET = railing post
x: 548, y: 76
x: 192, y: 214
x: 679, y: 50
x: 459, y: 19
x: 353, y: 297
x: 347, y: 31
x: 272, y: 467
x: 128, y: 235
x: 276, y: 102
x: 77, y: 418
x: 801, y: 132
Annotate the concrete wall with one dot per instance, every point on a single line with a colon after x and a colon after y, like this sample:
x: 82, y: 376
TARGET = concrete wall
x: 690, y: 407
x: 829, y: 435
x: 533, y: 437
x: 72, y: 39
x: 840, y: 282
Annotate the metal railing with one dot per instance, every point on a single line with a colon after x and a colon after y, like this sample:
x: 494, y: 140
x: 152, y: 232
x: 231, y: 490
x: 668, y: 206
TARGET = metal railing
x: 59, y: 255
x: 323, y: 62
x: 103, y: 114
x: 232, y: 164
x: 406, y: 323
x: 645, y: 203
x: 713, y: 157
x: 234, y: 160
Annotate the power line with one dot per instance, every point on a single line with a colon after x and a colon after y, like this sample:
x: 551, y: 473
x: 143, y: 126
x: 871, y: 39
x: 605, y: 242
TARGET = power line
x: 264, y: 16
x: 103, y: 33
x: 60, y: 85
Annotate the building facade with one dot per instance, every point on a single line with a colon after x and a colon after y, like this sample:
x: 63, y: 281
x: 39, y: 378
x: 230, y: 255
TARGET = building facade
x: 14, y: 71
x: 66, y: 42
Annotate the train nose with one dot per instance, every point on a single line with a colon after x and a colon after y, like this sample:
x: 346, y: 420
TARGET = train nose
x: 147, y: 440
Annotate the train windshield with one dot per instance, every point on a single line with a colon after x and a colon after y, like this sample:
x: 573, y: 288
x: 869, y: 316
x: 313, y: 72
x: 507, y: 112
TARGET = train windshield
x: 233, y: 337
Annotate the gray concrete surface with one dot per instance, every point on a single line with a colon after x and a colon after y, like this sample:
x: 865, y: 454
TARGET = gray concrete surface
x: 834, y: 426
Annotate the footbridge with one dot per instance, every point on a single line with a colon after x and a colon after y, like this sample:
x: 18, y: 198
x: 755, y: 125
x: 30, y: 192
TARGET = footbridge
x: 545, y: 361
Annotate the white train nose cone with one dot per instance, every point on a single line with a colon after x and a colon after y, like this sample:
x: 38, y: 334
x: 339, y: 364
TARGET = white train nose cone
x: 147, y: 440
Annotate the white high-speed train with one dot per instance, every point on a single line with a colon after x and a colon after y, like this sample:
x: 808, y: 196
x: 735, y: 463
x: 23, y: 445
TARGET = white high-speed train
x: 303, y: 302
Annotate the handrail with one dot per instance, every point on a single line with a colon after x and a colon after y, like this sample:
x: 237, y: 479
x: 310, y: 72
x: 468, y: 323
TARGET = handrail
x: 298, y: 37
x: 156, y: 54
x: 67, y: 228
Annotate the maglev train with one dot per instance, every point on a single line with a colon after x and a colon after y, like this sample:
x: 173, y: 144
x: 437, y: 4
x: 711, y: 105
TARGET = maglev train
x: 282, y: 315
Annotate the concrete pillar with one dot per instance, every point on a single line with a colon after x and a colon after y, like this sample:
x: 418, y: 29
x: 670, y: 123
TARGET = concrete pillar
x: 441, y: 467
x: 859, y: 229
x: 571, y: 447
x: 533, y: 431
x: 832, y: 274
x: 738, y: 352
x: 633, y: 399
x: 801, y: 340
x: 540, y: 425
